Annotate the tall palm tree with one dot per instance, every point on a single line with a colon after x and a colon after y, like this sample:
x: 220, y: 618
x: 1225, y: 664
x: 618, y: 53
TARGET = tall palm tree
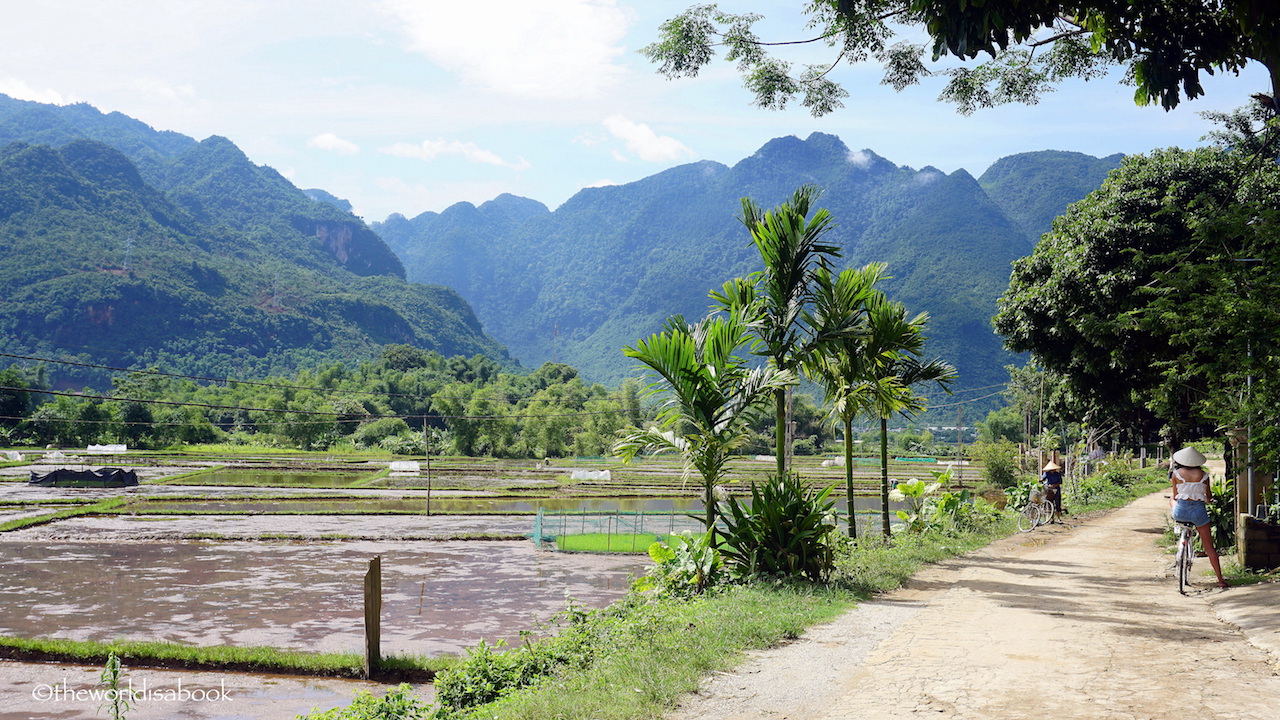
x: 898, y: 343
x: 711, y: 396
x: 774, y: 299
x: 847, y: 368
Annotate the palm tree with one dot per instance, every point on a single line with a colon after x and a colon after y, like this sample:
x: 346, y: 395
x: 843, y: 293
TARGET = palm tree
x: 848, y: 368
x: 897, y: 344
x: 774, y: 299
x: 712, y: 396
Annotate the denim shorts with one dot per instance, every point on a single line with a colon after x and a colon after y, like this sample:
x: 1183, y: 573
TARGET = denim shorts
x: 1192, y: 511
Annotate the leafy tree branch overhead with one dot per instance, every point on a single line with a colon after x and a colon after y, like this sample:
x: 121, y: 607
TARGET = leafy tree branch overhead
x: 1023, y: 48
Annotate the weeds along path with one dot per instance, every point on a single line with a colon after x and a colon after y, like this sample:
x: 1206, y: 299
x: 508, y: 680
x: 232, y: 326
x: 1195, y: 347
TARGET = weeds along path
x: 1081, y: 620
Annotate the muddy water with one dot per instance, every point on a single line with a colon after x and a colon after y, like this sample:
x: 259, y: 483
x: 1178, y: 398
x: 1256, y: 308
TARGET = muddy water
x: 370, y: 527
x: 438, y: 597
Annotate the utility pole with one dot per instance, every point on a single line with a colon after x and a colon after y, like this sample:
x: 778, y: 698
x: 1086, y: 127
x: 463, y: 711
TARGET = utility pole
x: 426, y: 449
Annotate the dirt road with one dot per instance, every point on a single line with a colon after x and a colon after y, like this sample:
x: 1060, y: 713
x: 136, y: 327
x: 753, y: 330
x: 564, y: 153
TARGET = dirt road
x: 1081, y: 620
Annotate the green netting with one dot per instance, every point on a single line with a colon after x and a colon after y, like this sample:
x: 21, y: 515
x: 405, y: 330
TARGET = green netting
x: 617, y: 531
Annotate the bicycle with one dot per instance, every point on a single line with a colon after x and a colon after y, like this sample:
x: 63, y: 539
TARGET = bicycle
x: 1185, y: 554
x: 1039, y: 510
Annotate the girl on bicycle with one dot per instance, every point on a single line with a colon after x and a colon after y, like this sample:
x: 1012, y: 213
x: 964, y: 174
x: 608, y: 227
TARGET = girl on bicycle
x: 1190, y: 500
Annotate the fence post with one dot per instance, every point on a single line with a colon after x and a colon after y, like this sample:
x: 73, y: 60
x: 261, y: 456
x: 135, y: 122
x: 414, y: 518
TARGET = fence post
x: 373, y: 617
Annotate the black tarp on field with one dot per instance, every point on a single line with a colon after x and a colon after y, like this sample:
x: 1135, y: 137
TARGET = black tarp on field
x: 106, y: 477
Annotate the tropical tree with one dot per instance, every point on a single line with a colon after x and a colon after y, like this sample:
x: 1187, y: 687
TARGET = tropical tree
x: 710, y: 396
x: 1153, y: 296
x: 896, y: 345
x: 848, y: 367
x: 1163, y: 45
x: 775, y: 299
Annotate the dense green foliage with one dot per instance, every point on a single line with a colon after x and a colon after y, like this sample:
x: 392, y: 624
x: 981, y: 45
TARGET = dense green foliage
x: 188, y: 256
x: 471, y: 405
x: 613, y: 263
x: 1149, y: 301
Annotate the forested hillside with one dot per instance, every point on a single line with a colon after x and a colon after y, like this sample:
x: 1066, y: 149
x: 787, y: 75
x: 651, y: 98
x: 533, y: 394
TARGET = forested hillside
x: 612, y: 263
x: 188, y: 256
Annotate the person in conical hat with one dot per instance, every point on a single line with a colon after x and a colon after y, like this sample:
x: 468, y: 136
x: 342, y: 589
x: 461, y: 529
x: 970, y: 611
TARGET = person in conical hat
x: 1190, y: 500
x: 1051, y: 478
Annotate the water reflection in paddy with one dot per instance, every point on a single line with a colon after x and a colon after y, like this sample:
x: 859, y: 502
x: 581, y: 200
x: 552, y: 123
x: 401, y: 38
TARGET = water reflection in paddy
x: 438, y: 597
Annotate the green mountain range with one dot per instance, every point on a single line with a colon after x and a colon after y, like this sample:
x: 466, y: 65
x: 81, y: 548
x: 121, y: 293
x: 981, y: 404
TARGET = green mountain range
x: 610, y: 265
x: 128, y: 247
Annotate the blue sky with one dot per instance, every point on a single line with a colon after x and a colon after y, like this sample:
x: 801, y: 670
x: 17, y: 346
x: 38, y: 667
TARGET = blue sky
x: 412, y: 105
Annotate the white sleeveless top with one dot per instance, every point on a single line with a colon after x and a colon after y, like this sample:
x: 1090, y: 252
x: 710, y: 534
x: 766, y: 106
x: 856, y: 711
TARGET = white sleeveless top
x: 1192, y: 490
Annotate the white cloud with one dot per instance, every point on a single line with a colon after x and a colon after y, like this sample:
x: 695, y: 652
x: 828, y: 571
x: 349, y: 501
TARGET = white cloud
x: 927, y: 176
x: 333, y: 143
x: 164, y: 91
x: 860, y: 158
x: 644, y: 142
x: 544, y: 49
x: 20, y: 90
x: 431, y: 149
x: 598, y: 183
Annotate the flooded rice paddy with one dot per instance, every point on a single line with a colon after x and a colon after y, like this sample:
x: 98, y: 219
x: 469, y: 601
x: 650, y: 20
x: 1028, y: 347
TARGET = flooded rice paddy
x: 438, y: 597
x: 271, y: 478
x: 287, y: 572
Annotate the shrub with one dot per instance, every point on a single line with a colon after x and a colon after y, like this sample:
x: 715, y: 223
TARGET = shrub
x: 1000, y: 462
x: 402, y: 445
x: 687, y: 566
x: 1222, y: 513
x: 806, y: 446
x: 372, y: 433
x: 398, y: 704
x: 782, y: 533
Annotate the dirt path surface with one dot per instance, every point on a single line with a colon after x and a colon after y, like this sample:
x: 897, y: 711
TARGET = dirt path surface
x: 1081, y: 620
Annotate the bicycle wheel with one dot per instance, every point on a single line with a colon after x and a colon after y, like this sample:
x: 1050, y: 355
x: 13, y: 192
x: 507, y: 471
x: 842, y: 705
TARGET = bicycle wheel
x: 1048, y: 512
x: 1183, y: 563
x: 1029, y: 517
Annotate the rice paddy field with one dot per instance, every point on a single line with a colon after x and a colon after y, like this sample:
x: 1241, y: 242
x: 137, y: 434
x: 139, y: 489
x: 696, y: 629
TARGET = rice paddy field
x: 213, y: 548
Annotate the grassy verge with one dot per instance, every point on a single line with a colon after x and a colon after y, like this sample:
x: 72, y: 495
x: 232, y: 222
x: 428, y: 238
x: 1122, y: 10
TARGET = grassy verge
x: 99, y: 508
x: 223, y: 658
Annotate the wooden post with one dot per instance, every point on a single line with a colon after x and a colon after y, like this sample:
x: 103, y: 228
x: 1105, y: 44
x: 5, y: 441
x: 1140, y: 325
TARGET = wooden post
x: 373, y: 617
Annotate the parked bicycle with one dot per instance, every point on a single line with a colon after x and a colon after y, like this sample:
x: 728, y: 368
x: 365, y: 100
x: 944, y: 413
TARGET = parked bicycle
x: 1039, y: 510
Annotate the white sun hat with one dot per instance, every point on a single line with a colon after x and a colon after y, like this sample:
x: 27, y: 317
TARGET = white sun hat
x: 1189, y: 457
